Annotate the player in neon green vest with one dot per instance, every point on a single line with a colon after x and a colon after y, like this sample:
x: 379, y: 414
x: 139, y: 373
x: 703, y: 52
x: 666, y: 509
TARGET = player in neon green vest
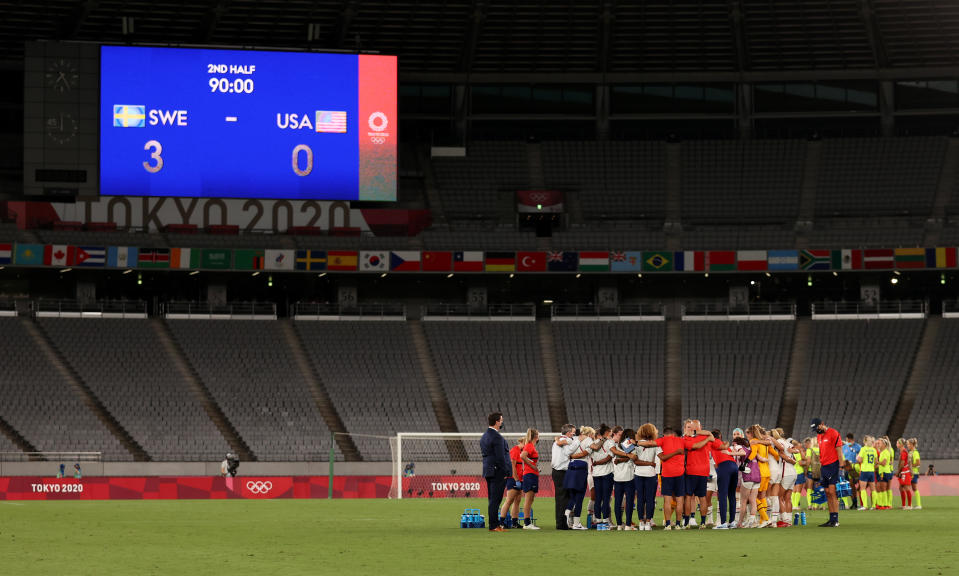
x: 914, y: 457
x: 867, y: 471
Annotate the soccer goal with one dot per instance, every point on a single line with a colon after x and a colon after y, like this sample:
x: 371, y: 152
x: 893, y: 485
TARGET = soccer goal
x: 450, y: 465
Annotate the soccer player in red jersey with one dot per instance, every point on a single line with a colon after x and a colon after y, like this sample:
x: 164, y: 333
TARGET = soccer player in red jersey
x: 697, y: 471
x: 672, y: 485
x: 904, y: 474
x: 530, y: 458
x: 514, y: 487
x: 831, y: 460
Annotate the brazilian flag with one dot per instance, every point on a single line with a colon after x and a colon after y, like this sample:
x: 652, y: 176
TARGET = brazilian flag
x: 657, y: 261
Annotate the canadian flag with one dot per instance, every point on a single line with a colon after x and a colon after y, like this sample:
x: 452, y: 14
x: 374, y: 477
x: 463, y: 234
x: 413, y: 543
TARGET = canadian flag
x: 58, y: 255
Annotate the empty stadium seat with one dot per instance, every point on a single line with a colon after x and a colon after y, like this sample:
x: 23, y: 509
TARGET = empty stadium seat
x: 856, y: 372
x: 612, y: 372
x: 489, y: 366
x: 372, y: 374
x: 252, y: 375
x: 733, y: 373
x: 41, y: 404
x: 933, y: 418
x: 124, y: 364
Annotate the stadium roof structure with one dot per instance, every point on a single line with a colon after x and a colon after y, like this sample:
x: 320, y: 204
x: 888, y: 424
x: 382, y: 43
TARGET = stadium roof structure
x: 571, y: 38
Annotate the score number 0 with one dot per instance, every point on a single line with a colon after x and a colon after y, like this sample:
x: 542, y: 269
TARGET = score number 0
x: 157, y: 160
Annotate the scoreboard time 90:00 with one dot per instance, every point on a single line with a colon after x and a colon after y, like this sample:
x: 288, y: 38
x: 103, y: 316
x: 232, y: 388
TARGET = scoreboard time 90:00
x: 268, y: 124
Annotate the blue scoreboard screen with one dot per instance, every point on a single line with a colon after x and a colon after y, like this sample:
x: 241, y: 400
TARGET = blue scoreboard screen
x: 247, y: 124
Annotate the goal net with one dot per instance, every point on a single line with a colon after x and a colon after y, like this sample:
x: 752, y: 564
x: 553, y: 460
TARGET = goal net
x: 448, y: 465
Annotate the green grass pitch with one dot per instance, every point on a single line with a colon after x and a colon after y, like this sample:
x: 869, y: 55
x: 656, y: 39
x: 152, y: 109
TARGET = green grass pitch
x: 422, y: 537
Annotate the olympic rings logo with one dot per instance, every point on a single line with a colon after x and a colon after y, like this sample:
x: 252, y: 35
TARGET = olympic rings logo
x: 377, y: 139
x: 378, y: 121
x: 539, y: 197
x: 258, y: 487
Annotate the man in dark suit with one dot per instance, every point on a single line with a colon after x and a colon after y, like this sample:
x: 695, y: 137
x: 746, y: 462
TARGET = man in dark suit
x: 496, y: 468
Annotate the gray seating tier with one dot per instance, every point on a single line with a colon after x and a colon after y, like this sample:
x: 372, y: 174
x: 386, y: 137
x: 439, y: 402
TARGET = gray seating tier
x: 253, y: 376
x: 733, y: 373
x: 612, y: 372
x: 933, y: 419
x: 372, y: 374
x: 42, y: 405
x: 124, y: 364
x: 490, y: 366
x: 856, y: 372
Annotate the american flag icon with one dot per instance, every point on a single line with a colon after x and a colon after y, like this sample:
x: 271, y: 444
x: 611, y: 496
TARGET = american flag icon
x: 331, y: 121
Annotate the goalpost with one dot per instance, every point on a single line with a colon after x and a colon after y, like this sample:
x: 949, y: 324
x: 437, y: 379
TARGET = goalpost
x: 450, y: 465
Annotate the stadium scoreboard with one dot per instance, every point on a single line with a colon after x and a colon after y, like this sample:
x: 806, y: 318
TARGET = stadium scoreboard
x: 214, y: 123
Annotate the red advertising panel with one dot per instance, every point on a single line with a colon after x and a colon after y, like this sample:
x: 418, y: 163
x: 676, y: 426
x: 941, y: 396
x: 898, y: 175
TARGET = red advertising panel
x: 377, y: 127
x: 268, y: 487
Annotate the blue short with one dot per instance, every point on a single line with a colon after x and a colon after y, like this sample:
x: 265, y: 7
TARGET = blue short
x: 531, y: 483
x: 696, y: 485
x: 886, y: 477
x: 915, y: 478
x: 829, y: 474
x: 511, y: 484
x: 800, y: 479
x: 674, y: 486
x: 867, y: 476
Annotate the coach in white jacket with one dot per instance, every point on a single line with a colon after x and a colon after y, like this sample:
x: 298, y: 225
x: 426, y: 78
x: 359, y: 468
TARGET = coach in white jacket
x: 562, y: 449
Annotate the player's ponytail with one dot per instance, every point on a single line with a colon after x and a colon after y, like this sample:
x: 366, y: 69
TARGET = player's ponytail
x: 531, y: 435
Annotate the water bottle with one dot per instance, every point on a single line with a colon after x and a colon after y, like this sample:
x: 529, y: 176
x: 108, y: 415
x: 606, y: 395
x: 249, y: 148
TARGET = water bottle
x: 465, y: 519
x: 480, y: 519
x: 519, y: 521
x: 796, y: 519
x: 802, y: 519
x: 589, y: 521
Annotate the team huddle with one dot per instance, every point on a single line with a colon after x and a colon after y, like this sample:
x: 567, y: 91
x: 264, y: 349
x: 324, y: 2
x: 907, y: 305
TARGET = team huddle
x: 760, y: 478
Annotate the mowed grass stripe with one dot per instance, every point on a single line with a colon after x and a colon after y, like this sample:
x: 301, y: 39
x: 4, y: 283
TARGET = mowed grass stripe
x: 422, y: 537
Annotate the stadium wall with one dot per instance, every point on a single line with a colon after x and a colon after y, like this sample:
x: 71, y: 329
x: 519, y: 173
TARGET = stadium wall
x: 277, y: 487
x: 115, y: 469
x: 49, y: 468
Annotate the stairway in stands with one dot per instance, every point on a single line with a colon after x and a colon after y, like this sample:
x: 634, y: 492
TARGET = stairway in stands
x: 917, y: 377
x: 796, y: 376
x: 673, y: 408
x: 318, y: 392
x: 554, y: 386
x: 200, y: 391
x: 16, y: 438
x: 441, y: 404
x: 56, y: 359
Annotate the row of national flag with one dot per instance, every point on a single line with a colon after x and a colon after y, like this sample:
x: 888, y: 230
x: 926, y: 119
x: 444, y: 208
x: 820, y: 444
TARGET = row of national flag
x: 477, y: 261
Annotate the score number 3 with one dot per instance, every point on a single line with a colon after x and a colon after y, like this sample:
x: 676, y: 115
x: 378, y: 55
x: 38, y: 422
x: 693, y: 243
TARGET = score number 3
x: 155, y: 156
x: 157, y: 164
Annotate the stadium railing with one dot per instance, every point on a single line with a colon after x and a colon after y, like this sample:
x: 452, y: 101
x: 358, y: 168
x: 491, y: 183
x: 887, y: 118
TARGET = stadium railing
x: 8, y: 307
x: 212, y: 311
x: 891, y: 309
x: 320, y: 311
x: 653, y: 312
x: 467, y: 311
x: 745, y: 311
x: 93, y: 459
x: 950, y: 309
x: 98, y: 309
